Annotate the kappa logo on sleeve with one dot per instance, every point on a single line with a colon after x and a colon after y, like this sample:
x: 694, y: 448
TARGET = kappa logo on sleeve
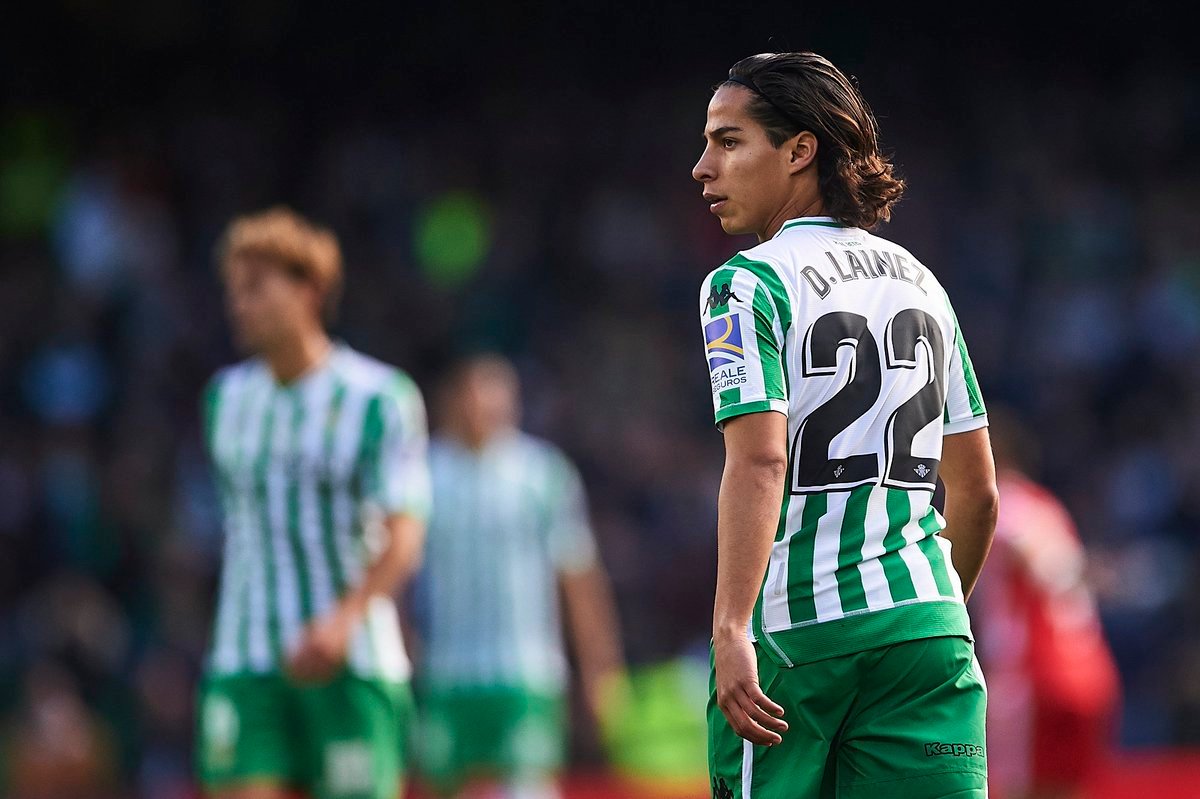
x: 723, y: 341
x: 720, y: 296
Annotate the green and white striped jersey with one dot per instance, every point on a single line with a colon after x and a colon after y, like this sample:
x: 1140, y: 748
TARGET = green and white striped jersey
x: 307, y: 472
x: 854, y: 340
x: 508, y: 520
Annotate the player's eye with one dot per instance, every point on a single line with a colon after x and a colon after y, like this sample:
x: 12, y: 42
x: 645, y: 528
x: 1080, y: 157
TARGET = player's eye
x: 728, y: 143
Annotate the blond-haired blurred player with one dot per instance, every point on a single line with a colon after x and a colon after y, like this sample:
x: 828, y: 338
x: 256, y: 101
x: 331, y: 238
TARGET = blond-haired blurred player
x: 319, y: 454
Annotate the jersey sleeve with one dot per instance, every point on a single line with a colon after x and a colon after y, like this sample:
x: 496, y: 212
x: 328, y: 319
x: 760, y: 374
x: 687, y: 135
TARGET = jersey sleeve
x: 569, y: 533
x: 210, y: 407
x: 742, y: 317
x: 396, y: 466
x: 964, y: 410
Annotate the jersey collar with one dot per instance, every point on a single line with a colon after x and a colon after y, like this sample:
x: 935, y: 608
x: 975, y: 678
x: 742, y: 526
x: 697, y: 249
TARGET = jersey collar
x: 819, y: 221
x: 315, y: 374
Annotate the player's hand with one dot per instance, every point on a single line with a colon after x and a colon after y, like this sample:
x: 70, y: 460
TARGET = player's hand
x: 747, y: 709
x: 607, y: 695
x: 321, y: 650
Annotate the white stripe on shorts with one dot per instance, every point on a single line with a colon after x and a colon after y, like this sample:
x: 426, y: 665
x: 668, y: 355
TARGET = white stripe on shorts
x: 747, y: 768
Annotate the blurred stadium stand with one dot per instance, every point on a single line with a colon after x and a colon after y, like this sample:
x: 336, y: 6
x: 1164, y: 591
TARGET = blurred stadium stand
x: 522, y: 182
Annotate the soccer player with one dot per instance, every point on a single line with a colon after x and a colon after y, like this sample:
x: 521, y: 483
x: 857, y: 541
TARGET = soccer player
x: 1052, y: 675
x: 320, y: 457
x: 842, y: 652
x: 509, y: 531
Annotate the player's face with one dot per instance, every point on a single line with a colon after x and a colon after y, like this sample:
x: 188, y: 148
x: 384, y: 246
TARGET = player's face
x: 266, y: 305
x: 487, y: 402
x: 746, y: 179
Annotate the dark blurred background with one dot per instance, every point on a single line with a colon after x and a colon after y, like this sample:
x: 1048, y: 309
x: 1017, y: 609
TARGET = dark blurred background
x: 518, y: 178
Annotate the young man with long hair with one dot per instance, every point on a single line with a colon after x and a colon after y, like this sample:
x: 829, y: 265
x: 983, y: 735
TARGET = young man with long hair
x: 843, y: 662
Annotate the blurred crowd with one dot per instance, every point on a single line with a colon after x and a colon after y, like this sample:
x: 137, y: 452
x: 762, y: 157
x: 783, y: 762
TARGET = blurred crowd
x: 568, y: 234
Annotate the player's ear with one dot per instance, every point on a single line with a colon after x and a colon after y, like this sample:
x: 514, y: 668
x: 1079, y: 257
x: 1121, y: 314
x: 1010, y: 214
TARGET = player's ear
x: 802, y: 151
x: 315, y: 299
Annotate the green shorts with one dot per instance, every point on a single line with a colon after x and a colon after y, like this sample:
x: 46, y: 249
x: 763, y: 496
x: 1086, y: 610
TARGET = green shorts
x: 340, y: 740
x: 905, y: 720
x: 490, y: 732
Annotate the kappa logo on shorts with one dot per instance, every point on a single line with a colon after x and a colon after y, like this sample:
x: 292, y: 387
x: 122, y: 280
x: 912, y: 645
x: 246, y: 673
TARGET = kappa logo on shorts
x: 954, y: 750
x: 721, y: 790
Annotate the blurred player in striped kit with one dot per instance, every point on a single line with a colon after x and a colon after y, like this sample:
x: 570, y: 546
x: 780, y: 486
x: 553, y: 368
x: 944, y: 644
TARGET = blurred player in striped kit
x: 320, y: 458
x: 509, y: 531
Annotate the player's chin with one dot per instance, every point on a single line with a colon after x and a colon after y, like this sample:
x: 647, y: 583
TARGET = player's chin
x: 733, y: 225
x: 246, y: 342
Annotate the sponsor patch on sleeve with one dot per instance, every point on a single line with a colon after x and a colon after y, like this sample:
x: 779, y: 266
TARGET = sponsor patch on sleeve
x: 723, y: 342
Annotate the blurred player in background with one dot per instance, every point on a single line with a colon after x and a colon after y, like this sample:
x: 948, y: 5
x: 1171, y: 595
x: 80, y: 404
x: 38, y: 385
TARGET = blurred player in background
x: 509, y: 531
x: 320, y: 457
x: 1054, y: 684
x: 843, y: 386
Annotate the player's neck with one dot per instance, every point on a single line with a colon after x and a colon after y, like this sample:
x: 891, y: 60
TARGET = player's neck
x: 477, y: 440
x: 807, y: 205
x: 298, y: 356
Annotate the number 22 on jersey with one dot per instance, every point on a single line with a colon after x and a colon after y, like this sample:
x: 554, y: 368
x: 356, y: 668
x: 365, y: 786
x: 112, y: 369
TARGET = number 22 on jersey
x: 904, y: 337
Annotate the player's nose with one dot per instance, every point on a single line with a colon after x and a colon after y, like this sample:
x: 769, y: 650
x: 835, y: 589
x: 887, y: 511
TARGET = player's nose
x: 703, y: 170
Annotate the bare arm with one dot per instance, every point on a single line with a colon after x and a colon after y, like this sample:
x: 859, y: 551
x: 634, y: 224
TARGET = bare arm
x: 323, y: 647
x: 747, y: 517
x: 972, y: 501
x: 747, y: 514
x: 592, y: 619
x: 395, y: 564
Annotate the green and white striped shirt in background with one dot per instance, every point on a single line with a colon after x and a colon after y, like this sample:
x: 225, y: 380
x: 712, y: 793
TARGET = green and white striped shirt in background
x: 507, y: 520
x: 850, y: 337
x: 307, y: 473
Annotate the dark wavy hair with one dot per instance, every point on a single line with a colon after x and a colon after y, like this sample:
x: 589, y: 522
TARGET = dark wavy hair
x: 795, y: 92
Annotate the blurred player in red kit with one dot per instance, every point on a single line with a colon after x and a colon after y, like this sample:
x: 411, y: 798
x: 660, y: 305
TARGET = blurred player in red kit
x: 1053, y: 685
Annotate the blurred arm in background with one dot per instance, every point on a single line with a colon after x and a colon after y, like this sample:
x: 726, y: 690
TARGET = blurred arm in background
x: 322, y: 650
x: 591, y: 612
x: 592, y: 619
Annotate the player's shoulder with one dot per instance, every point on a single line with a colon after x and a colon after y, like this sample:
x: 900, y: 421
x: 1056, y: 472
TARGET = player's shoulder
x: 442, y: 448
x: 759, y: 261
x: 799, y: 240
x: 740, y: 277
x: 773, y: 263
x: 773, y: 252
x: 361, y: 370
x: 878, y: 243
x: 535, y: 446
x: 540, y: 451
x: 236, y: 377
x: 369, y: 375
